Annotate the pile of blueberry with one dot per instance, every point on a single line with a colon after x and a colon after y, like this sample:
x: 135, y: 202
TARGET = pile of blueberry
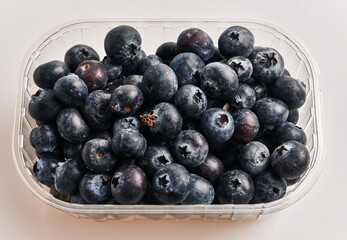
x: 190, y: 124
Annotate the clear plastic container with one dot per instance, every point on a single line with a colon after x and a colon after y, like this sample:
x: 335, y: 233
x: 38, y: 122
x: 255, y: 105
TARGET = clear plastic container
x: 53, y: 45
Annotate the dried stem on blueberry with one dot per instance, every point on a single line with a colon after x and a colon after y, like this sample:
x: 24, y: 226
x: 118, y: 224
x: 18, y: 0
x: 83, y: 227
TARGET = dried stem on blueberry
x: 148, y: 119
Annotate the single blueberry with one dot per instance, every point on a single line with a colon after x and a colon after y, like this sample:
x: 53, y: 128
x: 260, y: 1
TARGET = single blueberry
x: 48, y: 73
x: 126, y: 100
x: 113, y: 70
x: 218, y: 81
x: 122, y: 43
x: 187, y: 67
x: 210, y: 169
x: 234, y: 187
x: 196, y: 41
x: 164, y: 121
x: 254, y: 157
x: 246, y: 125
x: 217, y: 125
x: 95, y: 188
x: 236, y: 41
x: 128, y: 184
x: 71, y: 126
x: 190, y: 148
x: 159, y: 83
x: 126, y: 123
x: 44, y: 169
x: 93, y: 73
x: 68, y: 174
x: 290, y: 159
x: 268, y: 187
x: 191, y: 101
x: 242, y: 66
x: 288, y: 131
x: 171, y: 183
x: 268, y: 64
x: 289, y: 90
x: 270, y: 111
x: 129, y: 143
x: 71, y: 90
x: 44, y: 106
x: 98, y: 156
x: 201, y: 191
x: 45, y: 138
x: 79, y: 53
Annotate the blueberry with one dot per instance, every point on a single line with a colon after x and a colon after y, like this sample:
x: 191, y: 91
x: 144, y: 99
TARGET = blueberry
x: 148, y: 61
x: 289, y: 90
x: 218, y: 81
x: 93, y: 73
x: 171, y: 183
x: 217, y: 125
x: 260, y: 90
x: 135, y: 80
x: 95, y: 188
x: 126, y: 123
x: 270, y: 111
x: 132, y: 66
x: 190, y: 148
x: 129, y: 143
x: 68, y: 175
x: 72, y: 150
x: 191, y: 101
x: 288, y: 131
x: 154, y: 158
x: 96, y: 111
x: 45, y: 138
x: 286, y: 72
x: 128, y: 184
x: 44, y: 106
x: 98, y: 156
x: 234, y: 187
x: 236, y: 41
x: 71, y: 90
x: 44, y: 169
x: 164, y: 121
x: 267, y: 63
x: 244, y: 97
x: 293, y: 116
x: 242, y: 66
x: 122, y: 43
x: 210, y: 169
x: 126, y: 100
x: 79, y: 53
x: 268, y: 187
x: 246, y: 125
x: 196, y: 41
x: 187, y: 67
x: 290, y: 159
x: 71, y: 126
x: 159, y: 83
x: 112, y: 84
x: 167, y: 51
x: 201, y: 191
x: 254, y: 157
x: 113, y: 70
x: 48, y: 73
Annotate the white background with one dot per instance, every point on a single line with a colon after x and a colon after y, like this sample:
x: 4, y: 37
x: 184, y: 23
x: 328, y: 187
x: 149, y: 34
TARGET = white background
x: 320, y: 25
